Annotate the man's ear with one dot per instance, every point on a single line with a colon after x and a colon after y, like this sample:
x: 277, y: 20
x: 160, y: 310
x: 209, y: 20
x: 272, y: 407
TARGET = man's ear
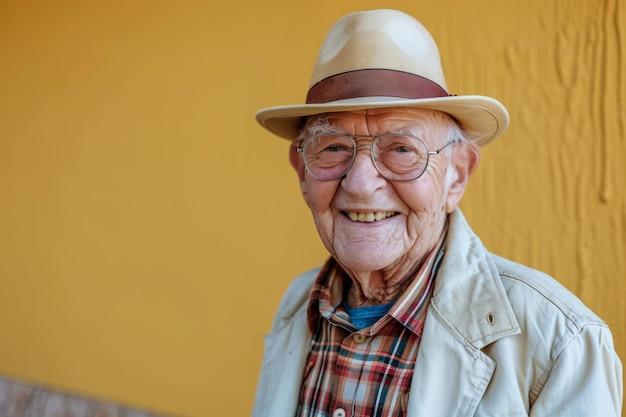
x: 297, y: 162
x: 464, y: 163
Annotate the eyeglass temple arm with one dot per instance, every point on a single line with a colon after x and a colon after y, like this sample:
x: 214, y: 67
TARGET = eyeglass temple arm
x: 436, y: 151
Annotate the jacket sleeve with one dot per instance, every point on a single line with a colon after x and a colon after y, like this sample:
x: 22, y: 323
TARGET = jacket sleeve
x: 285, y: 353
x: 585, y: 379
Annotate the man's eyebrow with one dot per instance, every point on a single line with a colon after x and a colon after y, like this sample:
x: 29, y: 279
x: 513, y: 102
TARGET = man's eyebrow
x: 416, y: 131
x: 320, y: 126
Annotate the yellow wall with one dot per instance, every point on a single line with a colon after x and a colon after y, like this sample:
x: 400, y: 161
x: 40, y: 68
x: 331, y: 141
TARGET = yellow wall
x: 148, y: 227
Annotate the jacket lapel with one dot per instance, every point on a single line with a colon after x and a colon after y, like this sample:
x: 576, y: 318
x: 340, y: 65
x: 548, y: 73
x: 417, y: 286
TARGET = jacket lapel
x: 450, y: 376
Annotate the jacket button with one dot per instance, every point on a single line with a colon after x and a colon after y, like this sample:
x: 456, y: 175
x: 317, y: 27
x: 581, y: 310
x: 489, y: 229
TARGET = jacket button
x: 340, y: 412
x: 359, y: 338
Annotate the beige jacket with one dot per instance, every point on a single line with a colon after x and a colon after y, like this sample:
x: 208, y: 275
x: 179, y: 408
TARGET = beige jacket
x: 500, y: 339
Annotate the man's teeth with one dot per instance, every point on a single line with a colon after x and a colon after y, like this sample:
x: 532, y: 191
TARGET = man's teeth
x: 369, y: 217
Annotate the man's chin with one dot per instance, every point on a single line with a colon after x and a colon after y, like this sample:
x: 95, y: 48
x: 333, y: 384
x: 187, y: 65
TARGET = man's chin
x: 364, y: 261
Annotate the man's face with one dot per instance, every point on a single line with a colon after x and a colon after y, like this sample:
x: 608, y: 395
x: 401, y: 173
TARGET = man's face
x: 411, y: 214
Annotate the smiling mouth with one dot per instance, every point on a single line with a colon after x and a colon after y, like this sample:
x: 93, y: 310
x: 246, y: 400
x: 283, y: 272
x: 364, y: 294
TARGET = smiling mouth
x: 368, y: 217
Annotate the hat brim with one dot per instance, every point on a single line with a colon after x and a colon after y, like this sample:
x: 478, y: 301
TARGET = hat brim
x: 484, y: 118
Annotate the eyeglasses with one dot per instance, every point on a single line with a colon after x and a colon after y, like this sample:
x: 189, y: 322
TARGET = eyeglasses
x: 398, y: 157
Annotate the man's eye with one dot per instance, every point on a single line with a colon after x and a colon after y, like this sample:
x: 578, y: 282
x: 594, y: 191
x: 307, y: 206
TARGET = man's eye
x: 334, y: 148
x: 403, y: 149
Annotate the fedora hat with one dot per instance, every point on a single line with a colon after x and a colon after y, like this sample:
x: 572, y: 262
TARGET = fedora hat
x: 382, y: 59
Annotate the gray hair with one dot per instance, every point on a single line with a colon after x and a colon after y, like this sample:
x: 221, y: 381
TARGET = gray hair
x: 462, y: 137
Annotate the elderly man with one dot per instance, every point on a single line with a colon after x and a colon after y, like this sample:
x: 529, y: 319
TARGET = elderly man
x: 411, y: 315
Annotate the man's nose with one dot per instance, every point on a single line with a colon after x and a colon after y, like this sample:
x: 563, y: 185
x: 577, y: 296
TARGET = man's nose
x: 363, y: 178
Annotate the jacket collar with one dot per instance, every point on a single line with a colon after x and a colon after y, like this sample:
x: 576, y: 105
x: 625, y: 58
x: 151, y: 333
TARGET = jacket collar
x: 471, y: 297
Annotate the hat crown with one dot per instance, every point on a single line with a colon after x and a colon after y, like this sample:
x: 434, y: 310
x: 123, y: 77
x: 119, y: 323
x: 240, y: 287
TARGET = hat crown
x: 384, y: 59
x: 379, y: 39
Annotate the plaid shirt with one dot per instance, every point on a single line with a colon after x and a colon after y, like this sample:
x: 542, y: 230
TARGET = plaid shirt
x: 366, y: 372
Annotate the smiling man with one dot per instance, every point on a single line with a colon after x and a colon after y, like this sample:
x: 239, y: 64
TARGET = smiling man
x: 411, y: 315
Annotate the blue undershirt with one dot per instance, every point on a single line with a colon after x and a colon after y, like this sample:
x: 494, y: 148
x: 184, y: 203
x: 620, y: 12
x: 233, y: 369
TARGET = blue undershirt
x: 363, y: 317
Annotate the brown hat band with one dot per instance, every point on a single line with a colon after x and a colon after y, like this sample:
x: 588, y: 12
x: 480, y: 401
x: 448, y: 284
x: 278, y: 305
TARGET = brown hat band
x: 372, y: 83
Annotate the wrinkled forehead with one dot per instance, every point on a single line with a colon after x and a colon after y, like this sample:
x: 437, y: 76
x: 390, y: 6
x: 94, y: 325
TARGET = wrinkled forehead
x: 420, y: 122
